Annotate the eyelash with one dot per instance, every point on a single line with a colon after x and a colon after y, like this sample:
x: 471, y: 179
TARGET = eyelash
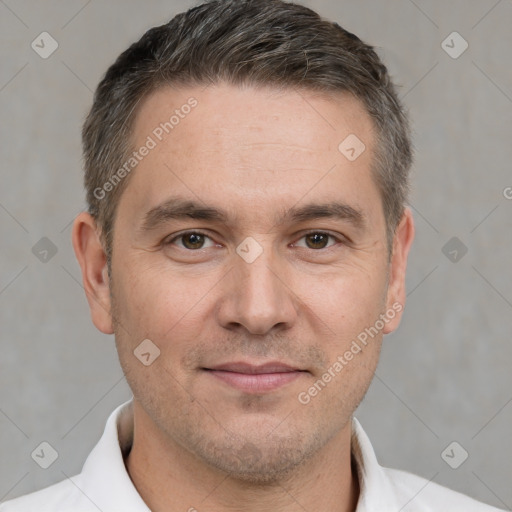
x: 198, y: 232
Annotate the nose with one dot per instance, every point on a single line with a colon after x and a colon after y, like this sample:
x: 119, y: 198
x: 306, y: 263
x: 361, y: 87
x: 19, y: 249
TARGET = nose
x: 258, y: 296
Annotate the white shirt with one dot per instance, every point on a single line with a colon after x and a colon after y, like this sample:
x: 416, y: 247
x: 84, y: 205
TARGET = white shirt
x: 104, y: 484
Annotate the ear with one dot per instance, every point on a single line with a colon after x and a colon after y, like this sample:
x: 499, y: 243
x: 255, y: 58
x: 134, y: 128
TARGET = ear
x: 93, y: 262
x: 396, y: 294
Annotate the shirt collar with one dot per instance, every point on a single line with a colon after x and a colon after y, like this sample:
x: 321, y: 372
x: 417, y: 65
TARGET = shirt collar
x: 375, y: 489
x: 104, y: 478
x: 106, y: 482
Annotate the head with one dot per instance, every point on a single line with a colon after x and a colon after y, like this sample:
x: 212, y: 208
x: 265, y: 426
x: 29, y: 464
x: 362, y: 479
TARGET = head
x: 251, y: 42
x: 264, y: 221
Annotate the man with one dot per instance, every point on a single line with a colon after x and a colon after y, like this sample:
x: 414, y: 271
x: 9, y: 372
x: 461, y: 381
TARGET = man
x: 246, y: 168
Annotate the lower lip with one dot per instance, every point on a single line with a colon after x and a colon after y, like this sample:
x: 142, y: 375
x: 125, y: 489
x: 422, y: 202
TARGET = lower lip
x: 255, y: 383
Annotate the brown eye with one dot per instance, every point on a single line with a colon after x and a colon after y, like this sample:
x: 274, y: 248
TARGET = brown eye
x: 317, y: 240
x: 191, y: 240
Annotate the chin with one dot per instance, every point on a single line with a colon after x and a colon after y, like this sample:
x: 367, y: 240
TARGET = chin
x: 260, y: 463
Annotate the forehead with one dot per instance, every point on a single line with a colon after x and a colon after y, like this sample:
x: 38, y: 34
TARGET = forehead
x: 293, y: 116
x: 250, y: 146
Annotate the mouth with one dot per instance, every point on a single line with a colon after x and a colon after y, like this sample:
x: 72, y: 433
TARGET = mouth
x: 251, y: 378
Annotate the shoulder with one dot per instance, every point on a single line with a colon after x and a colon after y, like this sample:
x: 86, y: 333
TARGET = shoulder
x: 64, y: 496
x: 418, y: 494
x: 386, y: 489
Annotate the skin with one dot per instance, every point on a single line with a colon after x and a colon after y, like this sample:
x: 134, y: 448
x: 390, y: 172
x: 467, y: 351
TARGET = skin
x: 255, y: 152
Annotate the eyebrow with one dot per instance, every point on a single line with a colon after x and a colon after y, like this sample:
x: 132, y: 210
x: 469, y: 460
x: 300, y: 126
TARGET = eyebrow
x: 176, y: 208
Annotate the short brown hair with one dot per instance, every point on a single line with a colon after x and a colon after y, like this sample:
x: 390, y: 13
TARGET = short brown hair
x: 243, y: 42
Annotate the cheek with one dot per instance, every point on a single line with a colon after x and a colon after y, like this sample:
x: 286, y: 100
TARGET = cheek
x: 146, y: 296
x: 169, y: 310
x: 347, y: 302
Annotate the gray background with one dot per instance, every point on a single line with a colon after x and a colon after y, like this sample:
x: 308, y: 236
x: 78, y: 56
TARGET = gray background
x: 444, y: 376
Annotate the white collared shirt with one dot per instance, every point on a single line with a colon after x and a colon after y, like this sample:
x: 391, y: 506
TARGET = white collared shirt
x: 104, y: 484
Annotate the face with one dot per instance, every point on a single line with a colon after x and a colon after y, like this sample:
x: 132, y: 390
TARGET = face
x: 252, y: 252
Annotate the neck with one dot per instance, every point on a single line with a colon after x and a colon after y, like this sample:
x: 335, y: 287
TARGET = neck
x: 170, y: 478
